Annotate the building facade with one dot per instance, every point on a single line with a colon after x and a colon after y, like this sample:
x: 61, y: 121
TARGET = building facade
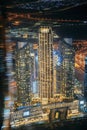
x: 23, y: 73
x: 45, y: 58
x: 66, y: 72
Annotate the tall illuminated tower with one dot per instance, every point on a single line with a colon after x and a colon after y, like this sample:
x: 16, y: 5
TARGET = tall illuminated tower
x: 45, y: 55
x: 23, y: 73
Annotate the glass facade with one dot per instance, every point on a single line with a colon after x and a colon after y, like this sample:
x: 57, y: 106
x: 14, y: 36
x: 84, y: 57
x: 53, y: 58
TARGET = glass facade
x: 66, y: 72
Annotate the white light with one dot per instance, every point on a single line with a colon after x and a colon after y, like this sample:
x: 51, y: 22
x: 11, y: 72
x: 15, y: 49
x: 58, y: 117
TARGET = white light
x: 84, y: 21
x: 81, y: 102
x: 32, y: 54
x: 26, y: 113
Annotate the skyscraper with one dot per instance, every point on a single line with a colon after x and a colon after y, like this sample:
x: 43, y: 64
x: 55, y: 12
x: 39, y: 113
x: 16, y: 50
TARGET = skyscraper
x: 67, y: 74
x: 45, y: 57
x: 23, y: 73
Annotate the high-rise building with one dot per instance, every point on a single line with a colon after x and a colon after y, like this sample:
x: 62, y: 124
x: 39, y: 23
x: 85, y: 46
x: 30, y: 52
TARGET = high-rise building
x: 67, y: 73
x: 57, y: 61
x: 45, y: 57
x: 85, y: 79
x: 23, y: 73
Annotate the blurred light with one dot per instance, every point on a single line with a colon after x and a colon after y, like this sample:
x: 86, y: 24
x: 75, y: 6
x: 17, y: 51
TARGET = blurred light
x: 16, y: 23
x: 82, y: 102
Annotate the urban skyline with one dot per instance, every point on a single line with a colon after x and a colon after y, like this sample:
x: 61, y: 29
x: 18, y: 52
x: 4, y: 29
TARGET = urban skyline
x: 25, y: 81
x: 20, y: 23
x: 67, y: 91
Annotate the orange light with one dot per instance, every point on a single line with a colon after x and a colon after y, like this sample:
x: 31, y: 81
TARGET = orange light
x: 16, y: 23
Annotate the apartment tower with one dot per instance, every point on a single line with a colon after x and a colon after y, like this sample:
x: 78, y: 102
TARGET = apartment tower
x: 45, y: 55
x: 23, y: 73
